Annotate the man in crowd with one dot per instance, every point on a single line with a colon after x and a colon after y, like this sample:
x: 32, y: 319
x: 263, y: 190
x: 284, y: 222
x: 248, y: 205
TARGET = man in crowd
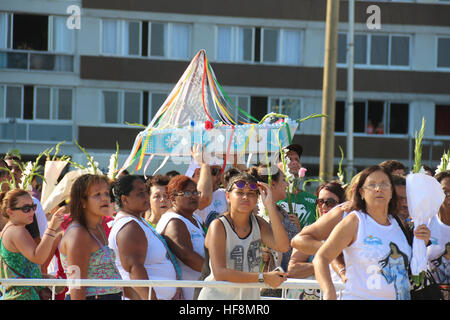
x: 303, y: 203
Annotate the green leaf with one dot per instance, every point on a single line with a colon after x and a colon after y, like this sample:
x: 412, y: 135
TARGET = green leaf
x: 340, y: 172
x: 418, y: 148
x: 135, y: 124
x: 312, y: 116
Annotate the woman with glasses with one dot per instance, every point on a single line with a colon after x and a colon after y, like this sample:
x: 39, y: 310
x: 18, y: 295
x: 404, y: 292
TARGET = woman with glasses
x: 366, y: 237
x: 20, y: 257
x: 159, y: 202
x: 183, y: 229
x: 141, y: 253
x: 84, y: 248
x: 234, y: 241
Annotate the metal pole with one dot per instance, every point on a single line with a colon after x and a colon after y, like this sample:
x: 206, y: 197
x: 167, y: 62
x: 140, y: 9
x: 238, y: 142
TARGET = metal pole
x: 326, y: 170
x: 350, y: 65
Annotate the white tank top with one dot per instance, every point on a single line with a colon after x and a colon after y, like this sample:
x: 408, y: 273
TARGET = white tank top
x: 242, y: 255
x: 377, y: 262
x: 198, y: 244
x: 157, y: 263
x: 437, y: 252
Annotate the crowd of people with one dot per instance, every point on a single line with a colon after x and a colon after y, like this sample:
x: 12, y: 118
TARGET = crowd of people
x: 242, y: 225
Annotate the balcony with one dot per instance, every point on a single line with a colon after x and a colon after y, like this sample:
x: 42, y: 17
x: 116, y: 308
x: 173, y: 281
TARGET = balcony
x: 12, y: 130
x: 30, y: 60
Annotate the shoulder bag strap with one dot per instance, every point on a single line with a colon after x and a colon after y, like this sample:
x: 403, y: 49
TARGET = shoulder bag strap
x: 171, y: 255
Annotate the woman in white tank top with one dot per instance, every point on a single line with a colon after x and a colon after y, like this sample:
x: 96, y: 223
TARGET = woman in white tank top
x: 234, y: 241
x: 140, y: 252
x: 376, y: 251
x: 183, y: 230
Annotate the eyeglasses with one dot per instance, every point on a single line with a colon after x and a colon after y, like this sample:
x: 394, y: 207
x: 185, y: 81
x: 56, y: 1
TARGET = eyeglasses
x: 330, y: 202
x: 188, y: 194
x: 26, y: 208
x: 241, y: 185
x: 382, y: 186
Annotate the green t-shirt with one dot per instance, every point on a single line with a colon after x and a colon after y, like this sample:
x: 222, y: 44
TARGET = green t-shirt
x: 303, y: 205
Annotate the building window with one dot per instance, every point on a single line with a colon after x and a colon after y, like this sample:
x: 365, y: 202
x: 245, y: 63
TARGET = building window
x: 53, y: 103
x: 49, y: 35
x: 121, y: 37
x: 122, y: 106
x: 443, y: 55
x: 374, y: 117
x: 40, y: 103
x: 376, y: 50
x: 13, y: 101
x: 235, y: 44
x: 140, y: 38
x: 243, y: 103
x: 266, y: 45
x: 442, y: 120
x: 259, y: 106
x: 286, y: 105
x: 170, y: 40
x: 156, y: 101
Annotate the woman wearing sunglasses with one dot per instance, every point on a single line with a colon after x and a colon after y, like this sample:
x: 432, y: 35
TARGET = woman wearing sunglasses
x: 183, y: 229
x: 234, y: 240
x: 20, y: 257
x: 329, y: 195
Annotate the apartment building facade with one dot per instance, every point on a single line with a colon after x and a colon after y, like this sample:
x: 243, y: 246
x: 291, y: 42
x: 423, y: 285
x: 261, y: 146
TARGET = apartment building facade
x: 78, y: 70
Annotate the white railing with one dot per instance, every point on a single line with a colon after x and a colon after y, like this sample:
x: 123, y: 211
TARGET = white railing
x: 288, y: 284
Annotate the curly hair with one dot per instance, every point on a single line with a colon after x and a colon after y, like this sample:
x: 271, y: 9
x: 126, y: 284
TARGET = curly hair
x: 123, y: 186
x: 179, y: 183
x: 392, y: 165
x: 158, y: 180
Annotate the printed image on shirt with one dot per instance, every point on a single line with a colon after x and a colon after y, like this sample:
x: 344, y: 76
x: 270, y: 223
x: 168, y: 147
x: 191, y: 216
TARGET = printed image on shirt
x: 254, y: 255
x: 394, y: 270
x: 440, y: 267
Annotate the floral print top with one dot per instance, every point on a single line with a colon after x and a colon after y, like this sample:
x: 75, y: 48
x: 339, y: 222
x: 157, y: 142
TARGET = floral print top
x: 14, y: 265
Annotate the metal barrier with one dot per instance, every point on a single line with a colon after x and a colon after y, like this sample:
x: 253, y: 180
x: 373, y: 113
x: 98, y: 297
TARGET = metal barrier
x: 288, y: 284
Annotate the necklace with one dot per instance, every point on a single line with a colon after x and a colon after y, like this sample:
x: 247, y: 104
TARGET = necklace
x: 244, y: 229
x: 100, y: 230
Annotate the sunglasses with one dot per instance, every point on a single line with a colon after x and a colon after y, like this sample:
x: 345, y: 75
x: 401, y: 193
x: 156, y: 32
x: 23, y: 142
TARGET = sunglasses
x: 241, y: 185
x: 328, y: 202
x: 26, y: 208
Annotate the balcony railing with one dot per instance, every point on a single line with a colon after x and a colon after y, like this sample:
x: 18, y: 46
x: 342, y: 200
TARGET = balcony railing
x: 30, y: 60
x: 17, y: 130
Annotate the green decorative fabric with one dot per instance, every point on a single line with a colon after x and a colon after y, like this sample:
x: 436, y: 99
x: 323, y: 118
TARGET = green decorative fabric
x: 304, y: 206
